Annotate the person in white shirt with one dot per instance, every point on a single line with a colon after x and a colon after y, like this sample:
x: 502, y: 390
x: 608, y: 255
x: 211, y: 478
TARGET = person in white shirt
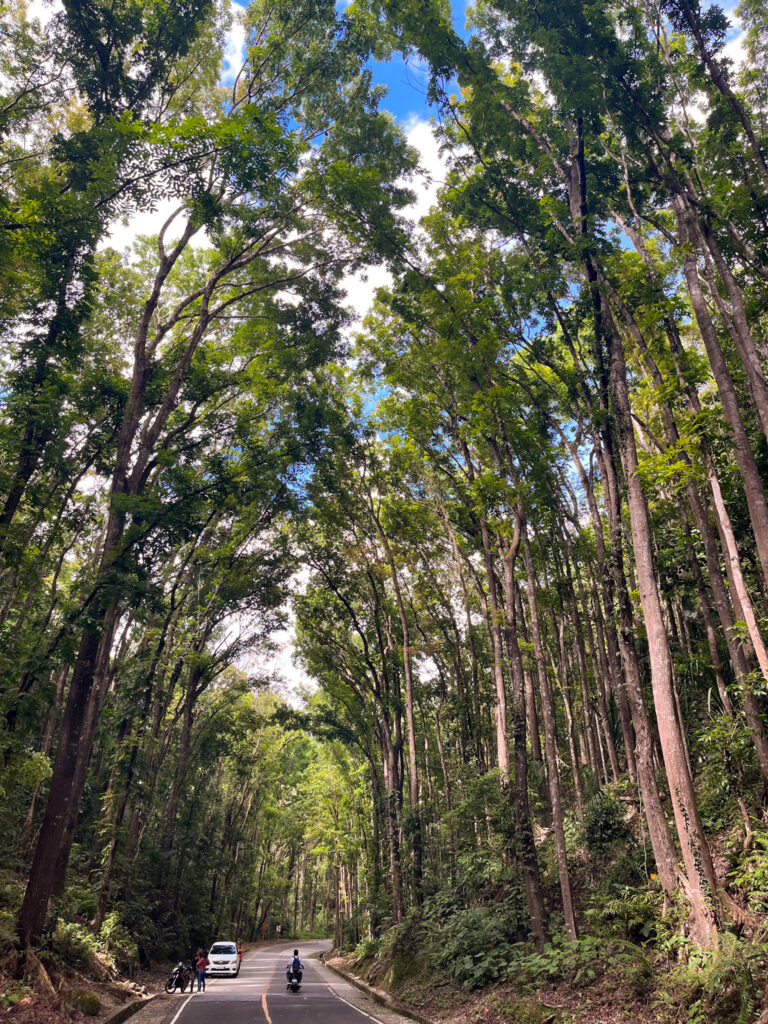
x: 295, y: 967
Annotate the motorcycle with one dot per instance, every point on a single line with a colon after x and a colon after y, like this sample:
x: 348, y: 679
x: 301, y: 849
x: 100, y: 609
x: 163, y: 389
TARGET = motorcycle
x: 181, y: 976
x: 294, y: 982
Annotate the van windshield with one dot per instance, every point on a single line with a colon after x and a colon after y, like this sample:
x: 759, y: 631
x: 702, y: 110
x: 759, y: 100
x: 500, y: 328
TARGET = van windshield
x: 223, y: 947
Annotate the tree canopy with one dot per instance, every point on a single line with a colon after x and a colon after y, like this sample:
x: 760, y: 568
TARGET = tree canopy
x: 515, y: 520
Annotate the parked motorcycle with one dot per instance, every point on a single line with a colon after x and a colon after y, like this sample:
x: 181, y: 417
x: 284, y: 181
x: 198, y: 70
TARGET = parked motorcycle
x: 181, y: 976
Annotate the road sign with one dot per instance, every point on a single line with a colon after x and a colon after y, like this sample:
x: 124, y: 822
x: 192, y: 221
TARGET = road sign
x: 277, y: 929
x: 306, y: 928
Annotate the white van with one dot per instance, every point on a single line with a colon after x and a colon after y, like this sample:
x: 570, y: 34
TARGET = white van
x: 224, y: 959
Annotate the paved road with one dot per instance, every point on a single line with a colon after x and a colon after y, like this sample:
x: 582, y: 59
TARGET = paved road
x: 259, y: 995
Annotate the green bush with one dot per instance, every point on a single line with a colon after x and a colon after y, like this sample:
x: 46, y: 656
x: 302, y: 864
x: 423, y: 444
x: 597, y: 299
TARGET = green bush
x: 367, y: 949
x: 475, y: 947
x: 14, y: 993
x: 118, y: 943
x: 85, y: 1002
x: 750, y: 873
x: 7, y: 927
x: 79, y: 901
x: 73, y: 944
x: 576, y: 963
x: 625, y: 912
x: 605, y: 827
x: 719, y: 986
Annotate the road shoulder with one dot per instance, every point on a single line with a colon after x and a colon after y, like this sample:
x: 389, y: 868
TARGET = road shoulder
x: 373, y: 1001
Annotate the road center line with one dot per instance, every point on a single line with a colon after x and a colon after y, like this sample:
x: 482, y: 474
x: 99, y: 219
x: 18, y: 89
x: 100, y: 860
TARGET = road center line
x: 264, y: 1005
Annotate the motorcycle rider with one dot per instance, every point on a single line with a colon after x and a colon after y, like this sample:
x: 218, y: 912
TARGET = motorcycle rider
x: 295, y: 968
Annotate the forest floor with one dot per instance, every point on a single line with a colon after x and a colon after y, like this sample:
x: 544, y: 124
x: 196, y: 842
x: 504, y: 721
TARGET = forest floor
x: 35, y: 1007
x: 606, y: 1002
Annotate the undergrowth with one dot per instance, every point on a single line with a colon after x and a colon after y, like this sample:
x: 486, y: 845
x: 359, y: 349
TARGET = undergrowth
x: 635, y: 952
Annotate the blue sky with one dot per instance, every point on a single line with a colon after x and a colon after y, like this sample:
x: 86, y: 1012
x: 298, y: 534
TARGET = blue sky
x: 406, y: 80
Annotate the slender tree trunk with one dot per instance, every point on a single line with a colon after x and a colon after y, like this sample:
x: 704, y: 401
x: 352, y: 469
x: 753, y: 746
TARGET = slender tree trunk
x: 50, y: 732
x: 391, y: 787
x: 182, y: 756
x: 523, y: 822
x: 658, y: 829
x: 709, y: 628
x: 745, y: 460
x: 700, y: 874
x: 413, y: 766
x: 550, y: 746
x: 500, y: 706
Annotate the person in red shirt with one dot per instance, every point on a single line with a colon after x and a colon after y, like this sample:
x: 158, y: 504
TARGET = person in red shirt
x: 200, y: 966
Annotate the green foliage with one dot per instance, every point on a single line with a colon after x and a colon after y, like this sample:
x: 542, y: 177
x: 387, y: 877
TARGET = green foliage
x: 73, y: 944
x: 86, y: 1002
x: 714, y: 986
x: 14, y: 993
x: 367, y: 949
x: 580, y: 963
x: 605, y: 826
x: 79, y: 901
x: 7, y: 927
x: 634, y: 914
x: 475, y: 947
x: 576, y: 963
x: 119, y: 944
x: 750, y: 872
x: 729, y: 751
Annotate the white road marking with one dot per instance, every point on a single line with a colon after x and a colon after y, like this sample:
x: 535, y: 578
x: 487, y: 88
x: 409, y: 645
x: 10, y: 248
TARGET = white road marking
x: 181, y: 1008
x: 343, y: 1000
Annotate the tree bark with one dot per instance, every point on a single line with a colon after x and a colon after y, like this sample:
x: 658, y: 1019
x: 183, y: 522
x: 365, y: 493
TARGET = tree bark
x: 700, y: 876
x: 550, y: 746
x: 745, y: 460
x: 524, y: 828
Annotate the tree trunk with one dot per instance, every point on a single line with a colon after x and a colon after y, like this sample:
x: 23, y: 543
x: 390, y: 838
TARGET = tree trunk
x: 524, y: 828
x: 87, y: 692
x: 745, y: 460
x: 550, y: 746
x: 700, y: 876
x: 413, y: 766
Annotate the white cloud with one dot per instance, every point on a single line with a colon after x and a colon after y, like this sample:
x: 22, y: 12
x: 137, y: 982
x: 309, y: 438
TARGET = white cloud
x: 234, y: 46
x: 361, y: 287
x: 432, y: 165
x: 734, y: 50
x: 734, y: 47
x: 43, y: 10
x: 121, y: 234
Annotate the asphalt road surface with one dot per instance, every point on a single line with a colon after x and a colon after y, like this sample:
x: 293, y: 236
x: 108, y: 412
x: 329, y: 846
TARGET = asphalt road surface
x: 259, y: 995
